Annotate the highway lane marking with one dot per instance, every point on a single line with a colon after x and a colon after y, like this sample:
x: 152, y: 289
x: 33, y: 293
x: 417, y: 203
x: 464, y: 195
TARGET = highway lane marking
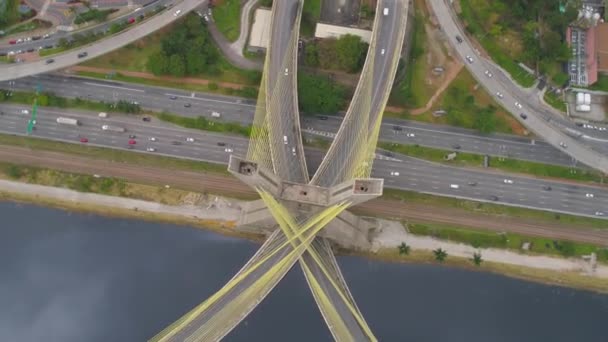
x: 210, y: 100
x: 114, y: 87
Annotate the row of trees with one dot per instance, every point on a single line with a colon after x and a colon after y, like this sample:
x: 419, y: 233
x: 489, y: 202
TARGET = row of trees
x: 318, y: 94
x: 346, y: 53
x: 187, y: 50
x: 440, y: 254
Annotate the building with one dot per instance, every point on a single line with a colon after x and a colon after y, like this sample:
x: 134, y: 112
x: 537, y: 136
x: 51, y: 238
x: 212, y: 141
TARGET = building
x: 260, y: 30
x: 587, y: 38
x: 335, y: 31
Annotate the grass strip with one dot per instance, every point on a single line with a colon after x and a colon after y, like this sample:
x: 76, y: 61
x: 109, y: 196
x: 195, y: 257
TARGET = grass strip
x: 205, y: 124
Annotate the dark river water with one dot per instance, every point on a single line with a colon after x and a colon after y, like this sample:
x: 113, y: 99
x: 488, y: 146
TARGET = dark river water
x: 76, y: 277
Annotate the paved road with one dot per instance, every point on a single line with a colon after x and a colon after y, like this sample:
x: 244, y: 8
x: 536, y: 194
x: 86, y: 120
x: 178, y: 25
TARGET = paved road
x: 591, y: 148
x: 414, y: 174
x: 242, y: 110
x: 96, y: 49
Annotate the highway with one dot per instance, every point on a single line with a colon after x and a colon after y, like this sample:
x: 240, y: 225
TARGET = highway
x: 414, y: 174
x: 98, y: 48
x: 53, y: 39
x: 590, y: 148
x: 242, y: 110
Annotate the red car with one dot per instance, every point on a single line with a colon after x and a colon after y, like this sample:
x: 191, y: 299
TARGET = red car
x: 12, y: 42
x: 131, y: 20
x: 132, y: 142
x: 84, y: 140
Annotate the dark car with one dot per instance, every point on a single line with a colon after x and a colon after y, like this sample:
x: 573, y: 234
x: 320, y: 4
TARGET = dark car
x: 458, y: 39
x: 173, y: 97
x: 397, y: 128
x: 322, y: 117
x: 456, y: 147
x: 176, y: 143
x: 221, y: 144
x: 547, y: 188
x: 49, y: 61
x: 523, y: 116
x: 494, y: 198
x: 132, y: 136
x: 472, y: 183
x: 2, y: 54
x: 187, y: 105
x: 83, y: 54
x: 146, y: 119
x: 30, y: 50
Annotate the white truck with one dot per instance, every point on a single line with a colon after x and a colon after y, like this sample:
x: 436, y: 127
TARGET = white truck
x: 67, y: 121
x: 113, y: 128
x: 103, y: 115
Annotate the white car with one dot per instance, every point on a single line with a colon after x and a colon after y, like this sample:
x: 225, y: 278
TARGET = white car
x: 151, y: 149
x: 469, y: 59
x: 177, y: 13
x: 228, y: 149
x: 382, y: 52
x: 286, y: 71
x: 190, y: 139
x: 285, y: 139
x: 488, y: 73
x: 589, y: 195
x: 153, y: 139
x: 25, y: 111
x: 499, y: 94
x: 518, y: 105
x: 411, y: 135
x: 293, y: 151
x: 599, y: 213
x: 394, y: 173
x: 507, y: 181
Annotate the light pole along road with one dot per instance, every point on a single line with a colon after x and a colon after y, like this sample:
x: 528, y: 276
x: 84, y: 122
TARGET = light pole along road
x: 550, y: 127
x: 414, y: 174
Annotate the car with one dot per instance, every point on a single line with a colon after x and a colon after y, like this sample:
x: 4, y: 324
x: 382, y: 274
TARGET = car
x: 602, y: 128
x: 176, y: 143
x: 499, y: 95
x: 454, y: 186
x: 563, y: 144
x: 589, y: 195
x: 206, y: 17
x: 215, y: 115
x: 458, y: 39
x: 228, y: 149
x: 189, y: 139
x: 12, y: 42
x: 285, y: 139
x: 30, y: 50
x: 84, y: 140
x: 456, y: 146
x: 173, y: 97
x: 221, y: 144
x: 146, y: 119
x: 153, y: 139
x: 397, y: 128
x: 132, y: 142
x: 49, y: 61
x: 547, y: 187
x: 178, y: 12
x: 579, y: 124
x: 25, y: 111
x: 494, y: 198
x: 286, y: 71
x: 382, y: 52
x: 151, y: 149
x: 83, y: 54
x: 472, y: 183
x: 293, y: 151
x: 523, y: 116
x: 132, y: 136
x: 488, y: 73
x: 385, y: 11
x: 394, y: 173
x: 131, y: 20
x: 411, y: 135
x: 599, y: 213
x: 187, y: 105
x: 322, y: 117
x: 518, y: 105
x: 300, y: 44
x: 507, y: 181
x: 469, y: 59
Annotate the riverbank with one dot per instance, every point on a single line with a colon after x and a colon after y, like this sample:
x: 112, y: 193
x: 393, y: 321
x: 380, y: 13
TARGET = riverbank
x: 220, y: 214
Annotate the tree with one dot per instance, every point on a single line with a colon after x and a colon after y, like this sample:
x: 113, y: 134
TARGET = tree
x: 158, y: 63
x: 350, y: 50
x: 311, y: 55
x: 319, y: 95
x: 477, y: 258
x: 440, y: 254
x: 177, y: 67
x: 485, y: 121
x: 404, y: 249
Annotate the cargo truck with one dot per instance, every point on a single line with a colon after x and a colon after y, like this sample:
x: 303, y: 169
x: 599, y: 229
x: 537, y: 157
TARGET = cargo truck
x: 68, y: 121
x: 113, y: 128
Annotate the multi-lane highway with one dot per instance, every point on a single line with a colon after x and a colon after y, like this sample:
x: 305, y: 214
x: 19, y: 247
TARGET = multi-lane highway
x: 589, y: 148
x: 96, y: 49
x: 242, y: 111
x: 414, y: 174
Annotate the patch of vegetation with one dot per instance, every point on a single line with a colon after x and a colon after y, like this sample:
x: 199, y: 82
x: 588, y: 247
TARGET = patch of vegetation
x: 227, y: 17
x: 51, y: 100
x: 27, y: 26
x: 311, y: 13
x: 346, y: 53
x: 601, y: 84
x: 318, y: 94
x: 512, y: 241
x: 555, y: 101
x: 93, y: 15
x: 205, y: 124
x: 9, y: 13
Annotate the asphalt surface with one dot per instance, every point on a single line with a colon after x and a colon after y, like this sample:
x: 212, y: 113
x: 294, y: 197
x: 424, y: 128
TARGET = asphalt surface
x: 98, y: 48
x: 414, y: 174
x: 242, y: 111
x: 589, y: 147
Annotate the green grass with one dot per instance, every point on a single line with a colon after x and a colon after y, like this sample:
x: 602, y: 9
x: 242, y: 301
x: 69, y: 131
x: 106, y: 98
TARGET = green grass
x: 227, y: 17
x: 520, y: 75
x: 601, y: 84
x: 9, y: 13
x: 48, y: 99
x: 29, y: 26
x: 493, y: 209
x: 206, y: 125
x: 555, y: 101
x: 512, y: 241
x: 311, y: 13
x: 506, y: 164
x: 53, y: 51
x: 111, y: 154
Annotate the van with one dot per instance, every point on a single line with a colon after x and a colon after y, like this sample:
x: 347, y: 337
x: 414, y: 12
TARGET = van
x: 385, y: 12
x: 103, y: 115
x: 215, y: 114
x: 454, y: 186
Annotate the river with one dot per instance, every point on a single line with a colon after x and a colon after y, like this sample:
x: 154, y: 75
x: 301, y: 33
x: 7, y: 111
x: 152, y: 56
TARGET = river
x: 78, y: 277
